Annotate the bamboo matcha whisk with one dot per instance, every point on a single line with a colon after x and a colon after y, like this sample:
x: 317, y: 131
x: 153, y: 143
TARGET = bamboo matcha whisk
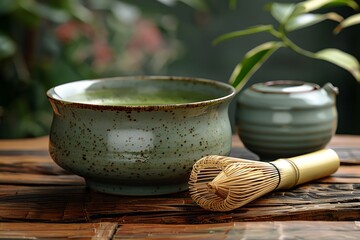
x: 221, y: 183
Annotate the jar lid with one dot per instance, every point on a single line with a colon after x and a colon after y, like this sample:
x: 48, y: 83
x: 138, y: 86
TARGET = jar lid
x: 285, y: 94
x: 285, y: 87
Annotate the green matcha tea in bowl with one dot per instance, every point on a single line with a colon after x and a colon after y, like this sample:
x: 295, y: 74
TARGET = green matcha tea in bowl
x: 138, y: 135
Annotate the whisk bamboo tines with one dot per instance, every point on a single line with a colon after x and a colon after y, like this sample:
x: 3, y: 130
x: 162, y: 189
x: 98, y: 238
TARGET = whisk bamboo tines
x: 221, y: 183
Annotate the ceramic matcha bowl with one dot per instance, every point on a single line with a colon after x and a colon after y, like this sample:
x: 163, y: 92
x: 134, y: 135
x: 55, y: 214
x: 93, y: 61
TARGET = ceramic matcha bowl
x: 138, y: 135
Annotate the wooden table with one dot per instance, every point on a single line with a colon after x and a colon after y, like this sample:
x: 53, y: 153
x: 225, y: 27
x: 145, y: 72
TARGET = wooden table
x: 39, y: 200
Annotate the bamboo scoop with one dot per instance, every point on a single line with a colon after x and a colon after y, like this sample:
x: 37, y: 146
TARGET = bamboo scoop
x: 219, y: 183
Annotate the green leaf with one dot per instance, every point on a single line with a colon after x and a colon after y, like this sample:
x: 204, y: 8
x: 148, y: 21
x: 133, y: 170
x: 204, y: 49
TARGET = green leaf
x: 350, y: 21
x: 7, y: 46
x: 281, y: 11
x: 251, y: 62
x: 312, y: 5
x: 309, y: 19
x: 248, y: 31
x: 341, y: 59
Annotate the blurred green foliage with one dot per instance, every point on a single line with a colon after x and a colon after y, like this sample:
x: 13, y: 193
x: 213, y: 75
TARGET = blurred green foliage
x: 49, y: 42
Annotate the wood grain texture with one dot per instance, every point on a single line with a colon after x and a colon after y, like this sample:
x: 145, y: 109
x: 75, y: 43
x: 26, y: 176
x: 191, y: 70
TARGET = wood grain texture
x: 30, y: 144
x: 38, y: 199
x: 239, y: 230
x: 91, y: 231
x: 232, y: 231
x: 336, y: 202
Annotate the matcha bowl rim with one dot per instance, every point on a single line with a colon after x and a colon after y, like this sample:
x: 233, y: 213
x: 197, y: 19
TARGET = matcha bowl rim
x: 54, y: 96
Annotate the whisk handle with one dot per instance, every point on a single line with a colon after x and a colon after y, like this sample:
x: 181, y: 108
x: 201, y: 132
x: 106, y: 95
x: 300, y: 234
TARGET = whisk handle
x: 297, y: 170
x: 316, y: 165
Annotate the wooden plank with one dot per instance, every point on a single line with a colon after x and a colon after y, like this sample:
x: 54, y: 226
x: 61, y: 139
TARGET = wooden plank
x: 46, y: 204
x: 348, y: 155
x: 306, y: 202
x: 39, y: 170
x: 345, y: 141
x: 33, y: 188
x: 25, y: 169
x: 96, y: 231
x: 31, y: 144
x: 334, y: 202
x: 345, y: 174
x: 33, y: 165
x: 25, y: 159
x: 40, y: 179
x: 35, y: 170
x: 243, y: 230
x: 236, y: 230
x: 43, y: 172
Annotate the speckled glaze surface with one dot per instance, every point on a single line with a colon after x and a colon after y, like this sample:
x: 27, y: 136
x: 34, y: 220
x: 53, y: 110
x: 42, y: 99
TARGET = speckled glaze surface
x: 141, y: 149
x: 286, y: 118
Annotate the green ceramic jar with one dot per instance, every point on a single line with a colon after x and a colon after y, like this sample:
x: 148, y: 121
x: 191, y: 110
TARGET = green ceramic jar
x: 138, y: 135
x: 286, y: 118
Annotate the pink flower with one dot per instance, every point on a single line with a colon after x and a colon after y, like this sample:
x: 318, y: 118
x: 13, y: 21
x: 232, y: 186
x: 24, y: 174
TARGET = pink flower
x: 147, y: 37
x: 72, y: 30
x: 67, y: 32
x: 103, y: 54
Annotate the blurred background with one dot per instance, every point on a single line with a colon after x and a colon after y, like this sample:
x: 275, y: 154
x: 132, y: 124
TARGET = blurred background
x: 50, y: 42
